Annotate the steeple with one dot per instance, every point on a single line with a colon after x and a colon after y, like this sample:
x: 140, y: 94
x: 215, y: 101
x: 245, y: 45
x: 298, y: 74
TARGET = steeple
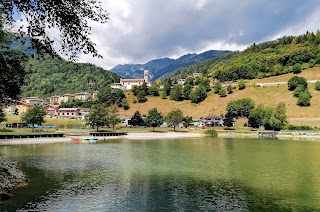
x: 146, y: 75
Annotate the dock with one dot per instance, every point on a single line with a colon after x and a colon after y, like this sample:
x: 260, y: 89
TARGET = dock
x: 107, y: 134
x: 42, y: 135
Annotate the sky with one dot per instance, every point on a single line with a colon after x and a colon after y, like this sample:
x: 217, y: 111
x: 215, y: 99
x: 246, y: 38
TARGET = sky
x: 142, y: 30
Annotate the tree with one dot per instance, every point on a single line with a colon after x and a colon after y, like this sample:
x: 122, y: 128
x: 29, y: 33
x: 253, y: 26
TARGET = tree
x: 113, y: 117
x: 189, y: 81
x: 174, y: 118
x: 228, y: 121
x: 98, y: 117
x: 16, y: 112
x: 142, y: 96
x: 198, y: 95
x: 154, y: 118
x: 299, y: 89
x: 167, y: 88
x: 124, y: 104
x: 241, y: 84
x: 109, y: 96
x: 293, y: 82
x: 256, y: 116
x: 34, y: 115
x: 2, y: 116
x: 153, y: 90
x: 217, y: 87
x: 136, y: 119
x: 230, y: 89
x: 187, y: 121
x: 240, y: 107
x: 279, y: 118
x: 71, y: 18
x: 187, y: 89
x: 176, y: 93
x: 163, y: 95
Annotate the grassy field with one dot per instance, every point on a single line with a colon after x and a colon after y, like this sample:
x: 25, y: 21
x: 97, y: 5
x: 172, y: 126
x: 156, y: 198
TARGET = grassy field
x: 214, y: 104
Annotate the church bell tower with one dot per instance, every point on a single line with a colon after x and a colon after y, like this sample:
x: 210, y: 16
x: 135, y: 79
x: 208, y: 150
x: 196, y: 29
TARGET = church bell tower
x: 146, y: 75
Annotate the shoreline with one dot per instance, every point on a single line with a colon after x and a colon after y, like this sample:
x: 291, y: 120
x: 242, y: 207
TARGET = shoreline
x: 130, y: 136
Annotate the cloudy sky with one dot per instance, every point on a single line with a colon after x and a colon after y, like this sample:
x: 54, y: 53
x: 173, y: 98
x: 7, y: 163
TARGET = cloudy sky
x: 141, y: 30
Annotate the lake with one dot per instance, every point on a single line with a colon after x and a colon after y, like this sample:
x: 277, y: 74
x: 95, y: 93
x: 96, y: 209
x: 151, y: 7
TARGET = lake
x: 203, y: 174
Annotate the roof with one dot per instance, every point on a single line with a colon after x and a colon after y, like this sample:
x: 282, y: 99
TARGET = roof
x: 74, y: 109
x: 131, y: 80
x: 212, y: 116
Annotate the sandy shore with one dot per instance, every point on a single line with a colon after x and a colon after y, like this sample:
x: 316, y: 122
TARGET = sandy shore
x: 130, y: 136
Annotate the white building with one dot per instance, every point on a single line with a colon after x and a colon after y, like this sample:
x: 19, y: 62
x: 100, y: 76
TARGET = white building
x: 128, y: 83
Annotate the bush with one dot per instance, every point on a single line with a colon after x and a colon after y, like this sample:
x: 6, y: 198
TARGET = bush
x: 304, y: 99
x: 229, y: 89
x: 317, y: 86
x: 300, y: 89
x: 296, y: 69
x: 293, y: 82
x: 303, y: 127
x: 241, y: 84
x: 211, y: 132
x: 222, y: 92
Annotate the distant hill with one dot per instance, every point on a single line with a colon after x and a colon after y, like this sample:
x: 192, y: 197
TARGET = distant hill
x: 54, y: 76
x: 289, y: 54
x: 160, y: 67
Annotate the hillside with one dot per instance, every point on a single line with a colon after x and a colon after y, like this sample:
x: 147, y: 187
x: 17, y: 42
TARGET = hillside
x: 53, y: 76
x: 269, y: 96
x: 282, y: 56
x: 160, y: 67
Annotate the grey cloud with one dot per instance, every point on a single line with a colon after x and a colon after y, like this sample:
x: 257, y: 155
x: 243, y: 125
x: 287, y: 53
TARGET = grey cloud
x: 162, y: 28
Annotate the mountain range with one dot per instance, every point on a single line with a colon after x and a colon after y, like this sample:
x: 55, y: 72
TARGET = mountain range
x: 159, y: 67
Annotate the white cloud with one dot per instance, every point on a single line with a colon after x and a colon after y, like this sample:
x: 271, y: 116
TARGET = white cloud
x: 141, y: 30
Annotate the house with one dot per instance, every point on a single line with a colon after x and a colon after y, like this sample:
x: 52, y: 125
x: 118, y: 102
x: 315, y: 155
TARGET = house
x: 65, y: 98
x: 54, y: 100
x: 129, y: 83
x: 181, y: 81
x: 94, y: 94
x: 52, y: 109
x: 84, y: 96
x: 118, y: 86
x: 194, y: 75
x: 20, y: 107
x: 212, y: 120
x: 33, y: 100
x: 69, y: 112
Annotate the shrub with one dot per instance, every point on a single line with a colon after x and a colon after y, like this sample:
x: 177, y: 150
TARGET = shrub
x: 293, y: 82
x: 222, y: 92
x: 229, y: 89
x: 211, y: 132
x: 317, y: 86
x: 296, y: 69
x: 304, y: 99
x: 241, y: 84
x: 300, y: 89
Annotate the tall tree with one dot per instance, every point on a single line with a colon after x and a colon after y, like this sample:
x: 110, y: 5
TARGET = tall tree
x: 176, y: 93
x: 113, y: 117
x: 199, y: 94
x: 98, y: 117
x: 136, y: 119
x: 187, y: 89
x: 2, y: 115
x: 174, y: 118
x: 34, y: 115
x: 154, y: 118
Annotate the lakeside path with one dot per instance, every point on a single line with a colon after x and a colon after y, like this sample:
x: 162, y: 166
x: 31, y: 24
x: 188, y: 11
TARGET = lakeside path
x: 130, y: 136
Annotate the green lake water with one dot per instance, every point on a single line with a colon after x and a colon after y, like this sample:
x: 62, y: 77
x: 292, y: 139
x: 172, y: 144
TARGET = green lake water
x: 203, y: 174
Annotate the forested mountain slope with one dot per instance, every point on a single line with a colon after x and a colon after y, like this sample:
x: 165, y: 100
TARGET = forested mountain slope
x: 159, y: 67
x: 54, y: 76
x: 285, y: 55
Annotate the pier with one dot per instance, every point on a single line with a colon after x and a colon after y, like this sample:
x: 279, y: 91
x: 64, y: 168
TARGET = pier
x: 43, y: 135
x: 106, y: 134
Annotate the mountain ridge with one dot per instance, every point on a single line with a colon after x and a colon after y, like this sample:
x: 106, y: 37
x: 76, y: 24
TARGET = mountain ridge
x: 162, y: 66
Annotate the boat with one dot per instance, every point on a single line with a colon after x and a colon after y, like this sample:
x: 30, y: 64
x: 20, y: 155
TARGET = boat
x: 75, y: 140
x: 89, y: 140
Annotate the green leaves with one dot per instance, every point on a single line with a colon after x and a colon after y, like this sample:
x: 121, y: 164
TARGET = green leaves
x: 154, y: 118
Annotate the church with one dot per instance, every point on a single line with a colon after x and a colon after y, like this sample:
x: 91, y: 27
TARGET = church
x: 126, y: 84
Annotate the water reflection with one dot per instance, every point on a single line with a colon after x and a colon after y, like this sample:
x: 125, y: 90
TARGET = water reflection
x: 169, y: 175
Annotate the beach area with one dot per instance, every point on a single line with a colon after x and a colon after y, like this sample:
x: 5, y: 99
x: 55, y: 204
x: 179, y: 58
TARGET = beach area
x: 129, y: 136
